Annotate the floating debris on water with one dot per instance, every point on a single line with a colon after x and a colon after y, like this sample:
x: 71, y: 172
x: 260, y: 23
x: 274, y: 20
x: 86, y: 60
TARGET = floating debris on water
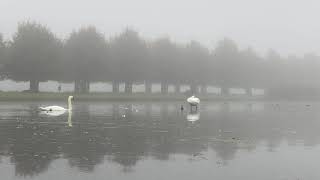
x: 227, y: 131
x: 19, y: 126
x: 160, y: 131
x: 198, y: 156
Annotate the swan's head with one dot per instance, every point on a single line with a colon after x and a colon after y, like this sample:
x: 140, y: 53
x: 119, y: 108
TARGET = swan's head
x: 70, y: 98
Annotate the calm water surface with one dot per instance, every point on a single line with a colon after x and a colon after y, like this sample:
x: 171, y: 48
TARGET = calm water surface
x: 138, y: 140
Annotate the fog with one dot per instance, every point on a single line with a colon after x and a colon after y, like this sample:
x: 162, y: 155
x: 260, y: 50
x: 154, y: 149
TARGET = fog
x: 287, y: 26
x: 133, y: 73
x: 227, y: 45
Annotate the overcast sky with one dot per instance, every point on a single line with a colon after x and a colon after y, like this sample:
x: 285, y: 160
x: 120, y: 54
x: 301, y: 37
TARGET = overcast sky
x: 288, y: 26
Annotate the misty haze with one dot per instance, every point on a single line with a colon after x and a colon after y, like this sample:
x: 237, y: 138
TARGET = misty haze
x: 159, y: 89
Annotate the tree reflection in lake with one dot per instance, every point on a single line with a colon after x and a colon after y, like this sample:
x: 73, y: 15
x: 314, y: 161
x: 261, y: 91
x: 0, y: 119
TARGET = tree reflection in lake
x: 127, y: 133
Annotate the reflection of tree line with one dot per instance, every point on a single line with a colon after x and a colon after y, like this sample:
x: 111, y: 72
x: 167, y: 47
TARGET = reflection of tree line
x: 33, y: 146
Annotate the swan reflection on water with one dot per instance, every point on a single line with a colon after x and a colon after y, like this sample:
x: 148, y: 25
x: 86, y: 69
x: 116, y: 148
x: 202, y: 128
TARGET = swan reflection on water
x: 58, y: 113
x: 52, y: 113
x: 193, y: 117
x: 69, y: 118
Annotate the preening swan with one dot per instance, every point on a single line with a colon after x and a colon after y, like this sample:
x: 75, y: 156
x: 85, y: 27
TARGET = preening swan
x: 193, y: 101
x: 58, y: 108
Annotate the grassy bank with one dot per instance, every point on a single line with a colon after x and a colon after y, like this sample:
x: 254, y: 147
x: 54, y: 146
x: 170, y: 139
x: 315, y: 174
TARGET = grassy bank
x: 19, y: 96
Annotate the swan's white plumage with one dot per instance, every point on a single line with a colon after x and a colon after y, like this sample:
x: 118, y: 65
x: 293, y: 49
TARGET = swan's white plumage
x: 53, y: 108
x: 193, y: 100
x: 52, y: 113
x: 58, y: 108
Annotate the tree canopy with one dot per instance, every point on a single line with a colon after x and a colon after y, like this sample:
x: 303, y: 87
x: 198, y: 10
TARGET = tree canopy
x: 85, y: 57
x: 35, y: 54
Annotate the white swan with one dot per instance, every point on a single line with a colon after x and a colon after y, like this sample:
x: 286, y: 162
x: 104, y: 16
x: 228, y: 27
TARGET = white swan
x: 58, y: 113
x: 193, y: 101
x: 58, y: 108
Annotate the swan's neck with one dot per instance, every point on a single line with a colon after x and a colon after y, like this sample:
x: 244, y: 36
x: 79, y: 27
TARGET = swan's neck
x: 69, y: 104
x: 69, y: 118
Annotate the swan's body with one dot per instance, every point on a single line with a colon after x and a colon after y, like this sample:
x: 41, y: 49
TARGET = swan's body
x: 52, y: 113
x: 52, y: 108
x: 58, y: 108
x: 59, y: 113
x: 193, y: 101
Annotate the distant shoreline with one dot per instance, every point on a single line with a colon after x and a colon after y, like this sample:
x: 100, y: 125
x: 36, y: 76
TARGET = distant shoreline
x: 43, y: 96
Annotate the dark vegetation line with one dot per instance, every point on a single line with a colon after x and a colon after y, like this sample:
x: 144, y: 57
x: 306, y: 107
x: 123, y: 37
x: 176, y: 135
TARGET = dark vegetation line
x: 35, y: 54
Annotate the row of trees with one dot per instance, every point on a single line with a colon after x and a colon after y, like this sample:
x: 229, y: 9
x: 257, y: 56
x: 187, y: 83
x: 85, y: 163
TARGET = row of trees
x: 35, y: 54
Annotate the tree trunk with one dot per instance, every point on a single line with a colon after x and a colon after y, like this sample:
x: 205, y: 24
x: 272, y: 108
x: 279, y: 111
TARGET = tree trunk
x: 77, y: 86
x: 86, y: 85
x: 148, y: 87
x: 194, y: 88
x: 224, y: 91
x: 34, y: 86
x: 249, y: 91
x: 204, y: 89
x: 128, y: 87
x: 115, y: 87
x: 177, y: 88
x: 164, y: 88
x: 81, y: 86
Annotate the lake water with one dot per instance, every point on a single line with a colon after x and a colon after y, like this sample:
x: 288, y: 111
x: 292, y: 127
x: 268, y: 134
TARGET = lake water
x: 155, y: 141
